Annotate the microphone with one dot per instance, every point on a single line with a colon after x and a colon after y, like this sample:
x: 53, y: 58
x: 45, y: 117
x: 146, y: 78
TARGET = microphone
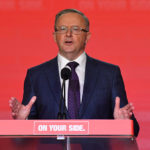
x: 65, y: 75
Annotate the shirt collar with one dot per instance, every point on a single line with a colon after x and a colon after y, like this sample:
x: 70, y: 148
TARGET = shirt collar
x: 62, y: 61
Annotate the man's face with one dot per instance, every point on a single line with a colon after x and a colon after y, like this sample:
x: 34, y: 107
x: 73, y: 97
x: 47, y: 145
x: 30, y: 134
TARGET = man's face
x: 71, y: 44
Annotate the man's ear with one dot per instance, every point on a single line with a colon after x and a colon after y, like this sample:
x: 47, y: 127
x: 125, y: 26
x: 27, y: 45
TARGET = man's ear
x: 88, y: 37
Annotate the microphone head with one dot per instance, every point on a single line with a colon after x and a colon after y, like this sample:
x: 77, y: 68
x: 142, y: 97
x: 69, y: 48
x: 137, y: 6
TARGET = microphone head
x: 66, y: 73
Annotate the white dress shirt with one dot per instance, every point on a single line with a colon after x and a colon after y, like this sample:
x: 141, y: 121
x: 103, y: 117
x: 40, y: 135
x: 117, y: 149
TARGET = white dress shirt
x: 80, y: 70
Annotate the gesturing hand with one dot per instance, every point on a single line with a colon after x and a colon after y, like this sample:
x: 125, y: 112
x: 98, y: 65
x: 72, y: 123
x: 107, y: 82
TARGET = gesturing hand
x: 20, y: 111
x: 124, y: 112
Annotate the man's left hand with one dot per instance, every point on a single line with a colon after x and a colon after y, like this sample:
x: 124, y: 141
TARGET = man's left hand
x: 124, y: 112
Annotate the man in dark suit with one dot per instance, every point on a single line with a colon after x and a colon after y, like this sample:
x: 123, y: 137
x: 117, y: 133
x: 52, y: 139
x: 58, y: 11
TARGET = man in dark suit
x: 101, y: 91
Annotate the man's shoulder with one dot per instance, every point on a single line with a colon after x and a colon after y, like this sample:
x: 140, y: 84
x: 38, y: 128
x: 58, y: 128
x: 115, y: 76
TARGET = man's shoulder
x: 43, y: 66
x: 102, y: 64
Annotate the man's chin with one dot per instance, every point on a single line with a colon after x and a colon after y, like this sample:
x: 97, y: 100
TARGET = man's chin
x: 68, y: 50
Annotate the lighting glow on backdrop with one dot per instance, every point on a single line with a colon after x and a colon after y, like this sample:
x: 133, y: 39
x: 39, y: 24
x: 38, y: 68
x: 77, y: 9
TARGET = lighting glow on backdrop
x: 120, y: 35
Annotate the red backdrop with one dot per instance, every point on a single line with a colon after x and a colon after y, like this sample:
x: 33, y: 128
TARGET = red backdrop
x: 120, y: 35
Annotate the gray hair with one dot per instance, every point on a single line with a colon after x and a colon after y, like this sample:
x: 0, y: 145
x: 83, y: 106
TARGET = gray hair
x: 65, y: 11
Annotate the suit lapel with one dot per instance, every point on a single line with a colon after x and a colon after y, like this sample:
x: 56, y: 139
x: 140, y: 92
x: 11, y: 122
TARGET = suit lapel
x: 89, y: 84
x: 52, y: 74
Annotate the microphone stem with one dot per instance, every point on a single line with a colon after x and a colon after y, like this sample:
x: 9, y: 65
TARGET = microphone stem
x: 62, y: 113
x: 59, y: 116
x: 64, y: 100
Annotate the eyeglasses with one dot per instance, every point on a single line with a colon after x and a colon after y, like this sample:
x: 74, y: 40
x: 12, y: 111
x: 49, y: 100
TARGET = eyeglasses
x: 73, y: 29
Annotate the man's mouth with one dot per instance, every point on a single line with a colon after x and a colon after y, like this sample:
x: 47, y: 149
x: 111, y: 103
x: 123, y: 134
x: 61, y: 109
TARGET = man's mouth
x: 68, y: 42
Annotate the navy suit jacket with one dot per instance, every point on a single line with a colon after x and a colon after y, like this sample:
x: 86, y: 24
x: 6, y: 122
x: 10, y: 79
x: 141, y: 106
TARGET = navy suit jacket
x: 103, y: 82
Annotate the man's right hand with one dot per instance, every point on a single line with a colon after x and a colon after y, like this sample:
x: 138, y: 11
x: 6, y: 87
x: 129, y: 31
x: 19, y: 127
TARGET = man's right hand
x: 20, y: 111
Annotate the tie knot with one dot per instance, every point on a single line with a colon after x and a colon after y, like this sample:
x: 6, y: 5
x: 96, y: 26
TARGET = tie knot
x: 73, y: 64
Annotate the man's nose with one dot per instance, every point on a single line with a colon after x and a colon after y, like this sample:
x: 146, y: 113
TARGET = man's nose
x: 69, y: 32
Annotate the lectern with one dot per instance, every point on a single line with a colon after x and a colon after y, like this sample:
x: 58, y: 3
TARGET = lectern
x: 67, y: 135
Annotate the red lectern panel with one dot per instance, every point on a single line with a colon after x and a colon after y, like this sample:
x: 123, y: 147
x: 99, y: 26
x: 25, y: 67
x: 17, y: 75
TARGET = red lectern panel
x: 67, y: 127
